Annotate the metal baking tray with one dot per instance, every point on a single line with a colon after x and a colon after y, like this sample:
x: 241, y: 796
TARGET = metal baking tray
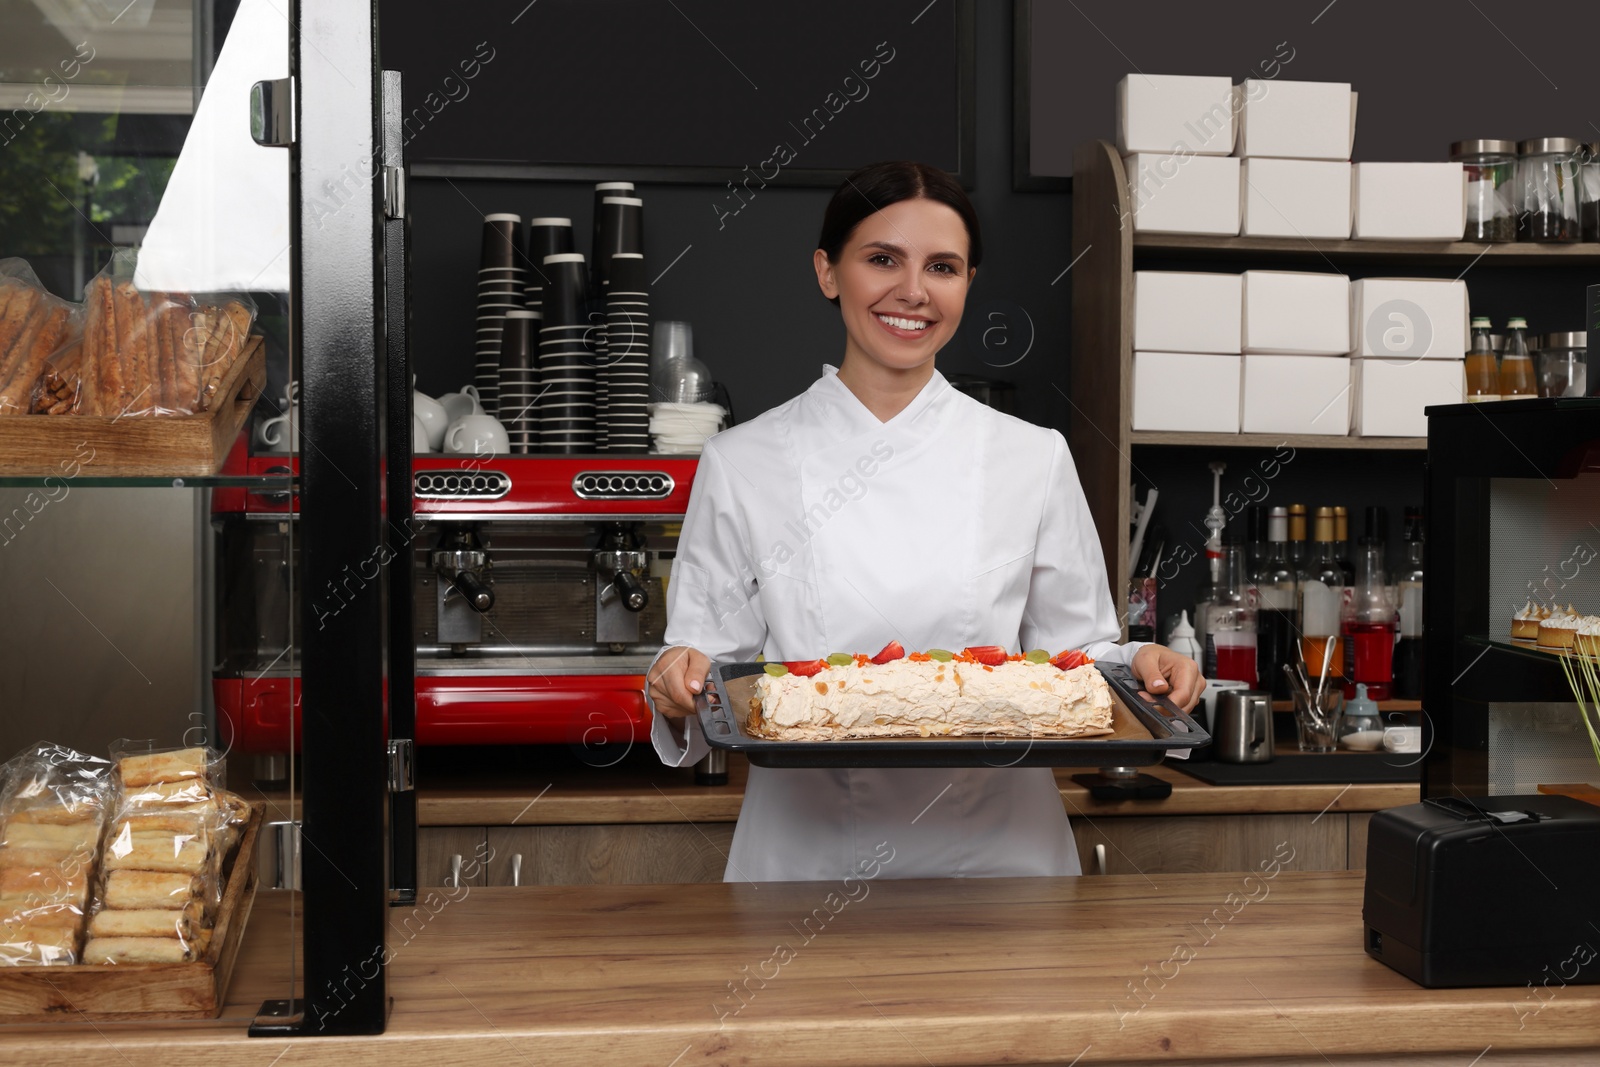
x: 1142, y: 732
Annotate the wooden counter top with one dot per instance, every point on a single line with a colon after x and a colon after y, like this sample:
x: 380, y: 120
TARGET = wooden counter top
x: 1120, y: 969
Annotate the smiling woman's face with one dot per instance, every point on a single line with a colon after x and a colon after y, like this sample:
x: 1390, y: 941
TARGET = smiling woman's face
x: 902, y: 281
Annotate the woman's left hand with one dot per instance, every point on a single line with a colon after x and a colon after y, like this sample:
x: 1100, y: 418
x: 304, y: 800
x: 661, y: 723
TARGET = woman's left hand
x: 1165, y: 673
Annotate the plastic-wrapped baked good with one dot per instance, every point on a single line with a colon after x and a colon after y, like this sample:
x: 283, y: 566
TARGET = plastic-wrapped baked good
x: 148, y: 889
x: 138, y: 950
x: 162, y: 768
x: 34, y: 326
x: 53, y: 804
x: 182, y: 923
x: 168, y: 836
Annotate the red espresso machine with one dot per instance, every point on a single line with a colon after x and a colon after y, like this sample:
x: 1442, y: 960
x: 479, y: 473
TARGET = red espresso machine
x: 539, y: 590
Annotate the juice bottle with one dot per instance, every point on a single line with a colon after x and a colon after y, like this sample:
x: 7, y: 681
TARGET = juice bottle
x: 1483, y: 370
x: 1516, y: 366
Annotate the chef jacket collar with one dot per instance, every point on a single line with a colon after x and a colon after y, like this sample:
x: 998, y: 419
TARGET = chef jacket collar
x: 854, y: 417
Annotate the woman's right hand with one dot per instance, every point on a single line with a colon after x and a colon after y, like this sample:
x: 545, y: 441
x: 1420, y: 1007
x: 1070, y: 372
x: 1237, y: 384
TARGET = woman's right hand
x: 676, y: 678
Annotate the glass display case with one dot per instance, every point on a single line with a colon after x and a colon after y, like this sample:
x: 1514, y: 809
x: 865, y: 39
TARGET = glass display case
x: 181, y: 159
x: 1513, y: 512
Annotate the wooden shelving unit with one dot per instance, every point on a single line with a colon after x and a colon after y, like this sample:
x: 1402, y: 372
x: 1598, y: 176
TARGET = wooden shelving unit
x: 1269, y: 440
x: 1383, y: 705
x: 1412, y: 253
x: 1104, y: 250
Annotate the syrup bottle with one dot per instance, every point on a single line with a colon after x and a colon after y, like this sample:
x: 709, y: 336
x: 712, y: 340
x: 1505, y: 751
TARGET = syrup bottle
x: 1230, y: 639
x: 1370, y: 622
x: 1408, y: 650
x: 1277, y: 621
x: 1321, y: 594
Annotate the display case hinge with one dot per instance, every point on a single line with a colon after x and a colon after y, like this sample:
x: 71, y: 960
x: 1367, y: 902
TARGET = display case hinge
x: 278, y: 855
x: 394, y: 192
x: 402, y: 777
x: 272, y: 112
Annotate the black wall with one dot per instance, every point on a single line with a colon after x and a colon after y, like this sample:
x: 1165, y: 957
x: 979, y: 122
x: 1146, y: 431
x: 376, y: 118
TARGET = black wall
x: 760, y: 324
x: 746, y: 282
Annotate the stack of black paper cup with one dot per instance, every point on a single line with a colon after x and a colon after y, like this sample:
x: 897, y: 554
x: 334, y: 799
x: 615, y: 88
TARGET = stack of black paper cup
x: 626, y: 372
x: 501, y: 286
x: 566, y: 398
x: 620, y: 229
x: 546, y: 237
x: 519, y: 373
x: 599, y: 253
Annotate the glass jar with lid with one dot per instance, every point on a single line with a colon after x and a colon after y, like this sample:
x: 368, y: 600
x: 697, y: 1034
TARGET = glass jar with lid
x: 1562, y: 363
x: 1547, y: 190
x: 1491, y: 168
x: 1589, y: 191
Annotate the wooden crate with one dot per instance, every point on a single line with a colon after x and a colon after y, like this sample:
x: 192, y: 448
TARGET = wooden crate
x: 183, y: 446
x: 135, y: 991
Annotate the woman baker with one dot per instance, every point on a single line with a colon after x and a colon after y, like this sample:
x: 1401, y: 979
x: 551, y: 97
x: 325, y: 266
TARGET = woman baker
x: 882, y: 504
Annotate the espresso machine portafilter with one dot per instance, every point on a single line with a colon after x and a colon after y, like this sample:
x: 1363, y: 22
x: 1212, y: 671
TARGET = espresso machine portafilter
x: 622, y: 565
x: 464, y: 593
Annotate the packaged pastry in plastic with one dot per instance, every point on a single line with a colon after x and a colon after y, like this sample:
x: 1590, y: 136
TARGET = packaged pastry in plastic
x: 145, y: 353
x: 173, y: 826
x: 34, y: 326
x: 54, y: 804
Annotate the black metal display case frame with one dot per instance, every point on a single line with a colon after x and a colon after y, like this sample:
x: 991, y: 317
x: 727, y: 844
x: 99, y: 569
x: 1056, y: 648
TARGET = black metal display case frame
x: 1471, y: 662
x: 348, y: 328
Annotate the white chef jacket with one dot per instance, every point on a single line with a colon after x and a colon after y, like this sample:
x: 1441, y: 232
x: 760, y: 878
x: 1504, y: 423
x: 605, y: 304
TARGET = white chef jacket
x: 816, y: 528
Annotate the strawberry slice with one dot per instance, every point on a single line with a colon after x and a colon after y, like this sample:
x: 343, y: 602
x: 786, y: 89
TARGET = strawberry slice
x: 1071, y: 658
x: 989, y: 655
x: 892, y: 651
x: 806, y: 668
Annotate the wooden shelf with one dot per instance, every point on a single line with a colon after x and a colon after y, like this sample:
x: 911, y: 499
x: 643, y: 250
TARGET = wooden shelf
x: 1410, y: 252
x: 1268, y: 440
x: 1383, y: 705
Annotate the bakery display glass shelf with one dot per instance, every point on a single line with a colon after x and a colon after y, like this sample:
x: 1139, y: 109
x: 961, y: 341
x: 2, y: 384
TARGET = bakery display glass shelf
x: 1526, y: 649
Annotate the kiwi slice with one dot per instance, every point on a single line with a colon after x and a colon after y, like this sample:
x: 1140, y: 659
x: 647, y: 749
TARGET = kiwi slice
x: 940, y: 655
x: 1037, y: 655
x: 840, y: 659
x: 777, y: 670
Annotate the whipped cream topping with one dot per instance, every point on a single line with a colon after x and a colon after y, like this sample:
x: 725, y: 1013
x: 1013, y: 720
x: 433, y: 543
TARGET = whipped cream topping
x: 1528, y: 612
x: 1562, y: 622
x: 1589, y: 625
x: 905, y: 698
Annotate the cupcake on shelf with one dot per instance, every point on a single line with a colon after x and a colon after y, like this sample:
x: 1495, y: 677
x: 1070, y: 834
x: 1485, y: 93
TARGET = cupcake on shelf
x: 1559, y: 629
x: 1525, y: 623
x: 1587, y: 638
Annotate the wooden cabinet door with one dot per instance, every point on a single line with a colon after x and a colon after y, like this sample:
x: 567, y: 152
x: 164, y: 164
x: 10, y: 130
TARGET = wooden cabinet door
x: 623, y: 854
x: 447, y: 852
x: 1211, y: 843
